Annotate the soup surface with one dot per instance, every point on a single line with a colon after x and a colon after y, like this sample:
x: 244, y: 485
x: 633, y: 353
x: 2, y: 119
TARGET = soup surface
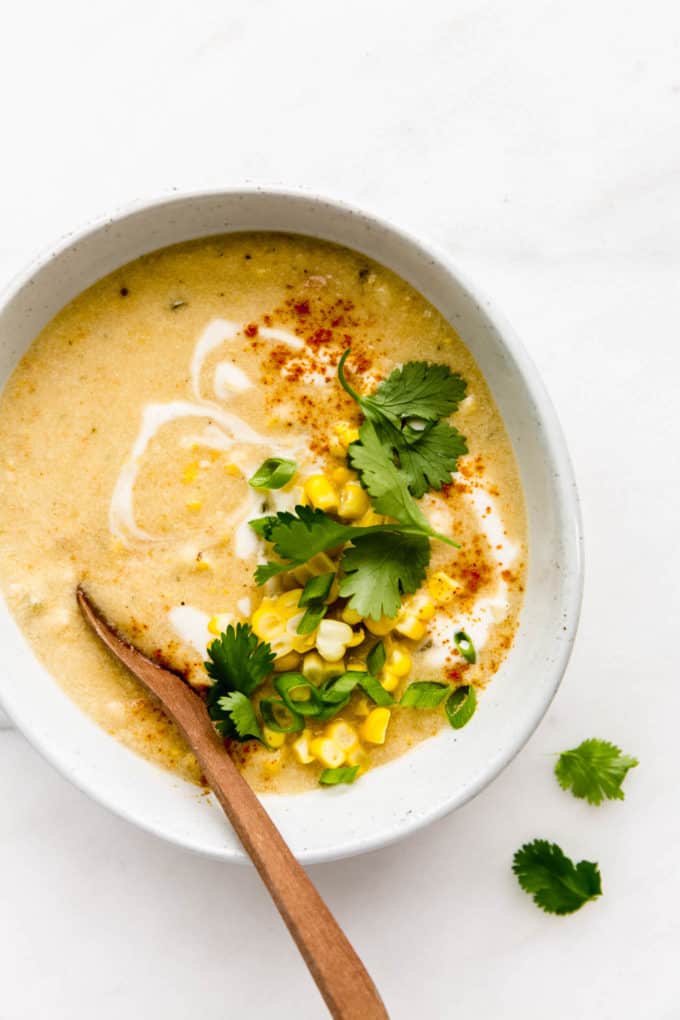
x: 128, y: 434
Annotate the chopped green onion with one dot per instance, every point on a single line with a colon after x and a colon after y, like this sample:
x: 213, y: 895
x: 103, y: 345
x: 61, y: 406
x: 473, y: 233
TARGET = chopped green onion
x: 465, y: 646
x: 344, y: 774
x: 328, y: 711
x: 279, y: 717
x: 424, y: 694
x: 339, y: 687
x: 316, y: 589
x: 376, y: 658
x: 461, y: 706
x: 308, y: 700
x: 273, y: 473
x: 375, y: 690
x: 311, y: 619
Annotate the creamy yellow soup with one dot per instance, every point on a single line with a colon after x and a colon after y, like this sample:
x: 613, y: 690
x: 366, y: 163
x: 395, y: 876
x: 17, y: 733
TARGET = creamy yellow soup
x: 128, y: 433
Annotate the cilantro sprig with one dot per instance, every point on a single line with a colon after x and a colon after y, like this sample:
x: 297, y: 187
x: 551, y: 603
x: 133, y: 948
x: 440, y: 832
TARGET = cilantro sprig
x: 557, y: 885
x: 594, y: 771
x: 380, y: 563
x: 238, y: 663
x: 391, y: 450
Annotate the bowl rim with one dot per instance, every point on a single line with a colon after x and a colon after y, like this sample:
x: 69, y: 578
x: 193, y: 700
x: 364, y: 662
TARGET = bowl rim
x: 571, y: 586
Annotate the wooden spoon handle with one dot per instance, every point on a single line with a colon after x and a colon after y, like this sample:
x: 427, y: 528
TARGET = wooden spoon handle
x: 340, y: 975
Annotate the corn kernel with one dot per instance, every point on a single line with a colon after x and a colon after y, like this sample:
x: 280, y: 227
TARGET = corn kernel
x: 318, y: 670
x: 357, y: 756
x: 357, y: 637
x: 301, y: 748
x: 442, y: 587
x: 424, y: 608
x: 344, y: 434
x: 272, y: 764
x: 273, y: 738
x: 319, y: 564
x: 288, y: 602
x: 351, y: 616
x: 289, y: 663
x: 382, y: 626
x: 374, y: 727
x: 370, y: 518
x: 353, y: 501
x: 411, y: 627
x: 321, y: 493
x: 340, y: 475
x: 194, y: 504
x: 219, y: 623
x: 390, y: 681
x: 342, y: 734
x: 356, y: 666
x: 332, y: 638
x: 399, y: 661
x: 362, y: 708
x: 190, y: 473
x: 203, y: 565
x: 233, y: 469
x: 327, y: 752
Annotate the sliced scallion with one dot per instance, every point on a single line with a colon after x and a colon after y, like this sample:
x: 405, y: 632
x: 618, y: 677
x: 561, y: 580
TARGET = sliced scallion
x: 279, y: 717
x: 465, y: 646
x: 461, y: 706
x: 273, y: 473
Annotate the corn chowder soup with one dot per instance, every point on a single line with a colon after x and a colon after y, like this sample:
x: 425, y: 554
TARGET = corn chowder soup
x: 277, y: 470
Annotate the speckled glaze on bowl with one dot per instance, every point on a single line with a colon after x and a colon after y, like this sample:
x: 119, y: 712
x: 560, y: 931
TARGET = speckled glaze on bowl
x: 439, y: 774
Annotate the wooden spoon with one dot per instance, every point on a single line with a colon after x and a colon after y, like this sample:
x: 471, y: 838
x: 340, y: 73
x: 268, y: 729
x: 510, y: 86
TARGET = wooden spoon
x: 340, y: 975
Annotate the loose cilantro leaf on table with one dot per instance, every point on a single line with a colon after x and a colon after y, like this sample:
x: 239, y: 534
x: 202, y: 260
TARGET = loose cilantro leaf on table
x: 557, y: 885
x: 381, y: 567
x: 594, y: 771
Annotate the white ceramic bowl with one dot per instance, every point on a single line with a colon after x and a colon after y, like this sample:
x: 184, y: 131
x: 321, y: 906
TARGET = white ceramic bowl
x: 439, y: 774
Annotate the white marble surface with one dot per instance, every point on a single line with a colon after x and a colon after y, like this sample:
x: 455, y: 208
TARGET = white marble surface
x: 540, y: 143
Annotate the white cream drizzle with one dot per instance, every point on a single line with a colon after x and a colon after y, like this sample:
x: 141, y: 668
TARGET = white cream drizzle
x: 192, y: 626
x: 229, y: 379
x: 225, y: 431
x: 489, y: 609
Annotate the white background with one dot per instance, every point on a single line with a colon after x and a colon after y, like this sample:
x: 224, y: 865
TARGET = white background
x: 540, y: 143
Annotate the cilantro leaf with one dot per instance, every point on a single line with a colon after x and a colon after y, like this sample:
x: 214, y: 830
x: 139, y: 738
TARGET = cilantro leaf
x: 430, y: 462
x: 379, y: 568
x: 238, y: 662
x: 417, y: 389
x: 396, y: 460
x: 238, y: 719
x: 594, y: 771
x: 383, y: 480
x: 557, y: 885
x: 302, y: 535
